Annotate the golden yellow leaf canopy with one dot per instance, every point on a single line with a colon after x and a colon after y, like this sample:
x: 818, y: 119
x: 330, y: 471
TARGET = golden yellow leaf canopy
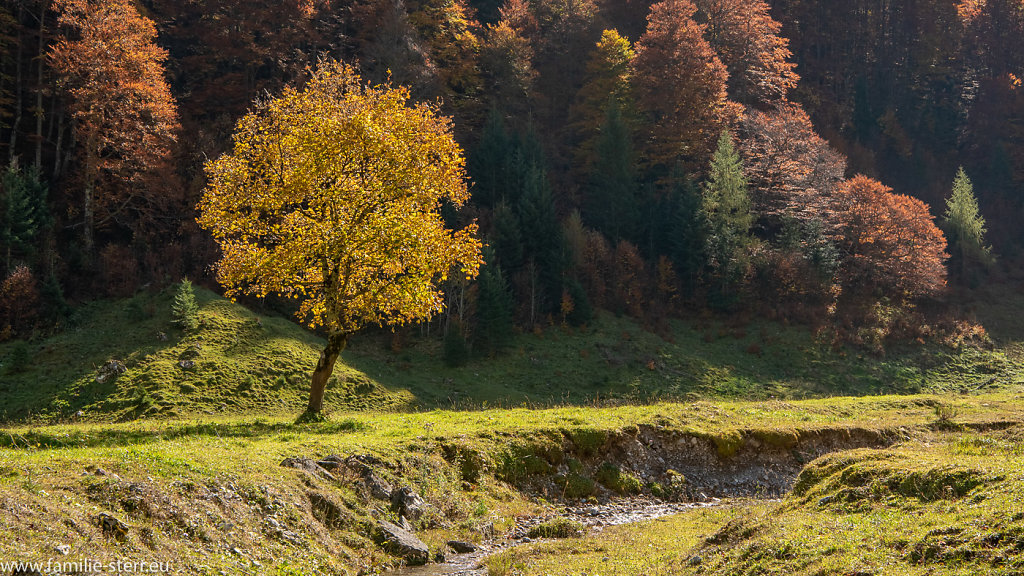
x: 332, y: 196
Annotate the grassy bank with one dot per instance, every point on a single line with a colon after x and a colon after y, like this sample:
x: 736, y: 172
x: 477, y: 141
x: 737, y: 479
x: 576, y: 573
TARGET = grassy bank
x: 948, y: 503
x: 213, y: 496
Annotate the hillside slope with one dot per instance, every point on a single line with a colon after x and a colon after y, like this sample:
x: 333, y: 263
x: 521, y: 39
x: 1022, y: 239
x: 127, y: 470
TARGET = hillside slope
x: 241, y: 363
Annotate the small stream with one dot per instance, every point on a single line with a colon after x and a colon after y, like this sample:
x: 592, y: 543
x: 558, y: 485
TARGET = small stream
x: 595, y: 517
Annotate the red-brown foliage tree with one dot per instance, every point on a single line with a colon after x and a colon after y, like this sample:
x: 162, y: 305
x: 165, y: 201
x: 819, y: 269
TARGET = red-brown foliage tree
x: 124, y: 116
x: 792, y: 171
x: 746, y: 38
x: 890, y: 242
x: 596, y: 268
x: 680, y: 87
x: 631, y: 280
x: 19, y: 302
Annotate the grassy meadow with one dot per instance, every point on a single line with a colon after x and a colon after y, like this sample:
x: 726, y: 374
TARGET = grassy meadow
x: 185, y: 445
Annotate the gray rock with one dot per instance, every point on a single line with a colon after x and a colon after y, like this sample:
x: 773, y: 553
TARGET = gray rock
x: 110, y: 371
x: 331, y: 463
x: 307, y: 465
x: 327, y: 511
x: 364, y: 465
x: 408, y: 503
x: 402, y: 543
x: 404, y: 523
x: 462, y: 547
x: 111, y: 526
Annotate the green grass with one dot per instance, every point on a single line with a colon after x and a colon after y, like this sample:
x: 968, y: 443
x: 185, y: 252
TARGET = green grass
x: 239, y: 363
x: 236, y: 363
x: 947, y: 504
x: 193, y: 490
x: 196, y: 448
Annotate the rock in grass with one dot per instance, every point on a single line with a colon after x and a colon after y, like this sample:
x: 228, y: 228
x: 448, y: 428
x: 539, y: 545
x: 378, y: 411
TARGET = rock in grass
x: 408, y: 503
x: 363, y: 465
x: 327, y: 511
x: 111, y: 526
x: 307, y: 465
x: 402, y: 543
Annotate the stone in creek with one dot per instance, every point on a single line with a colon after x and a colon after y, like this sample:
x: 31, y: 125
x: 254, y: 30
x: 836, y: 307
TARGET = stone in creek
x: 402, y: 543
x: 462, y: 547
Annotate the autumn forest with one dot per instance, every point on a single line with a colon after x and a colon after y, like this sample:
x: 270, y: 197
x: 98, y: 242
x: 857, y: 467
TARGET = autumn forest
x: 809, y: 161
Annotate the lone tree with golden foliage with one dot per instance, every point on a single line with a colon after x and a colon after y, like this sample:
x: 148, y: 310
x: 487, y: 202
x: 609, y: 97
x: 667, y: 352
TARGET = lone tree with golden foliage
x: 332, y: 196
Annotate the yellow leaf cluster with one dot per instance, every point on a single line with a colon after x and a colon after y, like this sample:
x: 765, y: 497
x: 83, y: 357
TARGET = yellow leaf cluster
x: 332, y: 196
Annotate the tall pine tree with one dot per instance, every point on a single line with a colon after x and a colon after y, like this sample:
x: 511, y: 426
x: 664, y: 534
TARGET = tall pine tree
x: 726, y: 209
x: 965, y: 228
x: 494, y: 309
x: 612, y: 205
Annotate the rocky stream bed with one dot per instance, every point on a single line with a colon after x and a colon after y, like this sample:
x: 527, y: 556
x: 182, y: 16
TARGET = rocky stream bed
x: 593, y: 517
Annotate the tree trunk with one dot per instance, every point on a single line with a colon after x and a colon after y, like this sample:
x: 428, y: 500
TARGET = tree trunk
x: 324, y: 367
x: 88, y: 199
x: 12, y: 151
x: 39, y: 88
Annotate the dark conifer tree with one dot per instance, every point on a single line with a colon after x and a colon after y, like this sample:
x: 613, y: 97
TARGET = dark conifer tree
x: 23, y: 212
x: 490, y: 162
x: 542, y: 242
x: 687, y: 240
x: 494, y: 309
x: 612, y: 205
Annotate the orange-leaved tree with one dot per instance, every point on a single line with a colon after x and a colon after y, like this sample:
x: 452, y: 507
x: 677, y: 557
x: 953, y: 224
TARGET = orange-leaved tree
x: 332, y: 196
x: 890, y: 242
x: 125, y: 119
x: 746, y: 38
x: 680, y: 87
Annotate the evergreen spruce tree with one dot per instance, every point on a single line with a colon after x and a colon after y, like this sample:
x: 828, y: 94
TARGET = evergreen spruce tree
x: 184, y: 309
x: 506, y: 238
x: 494, y: 309
x: 582, y: 312
x: 456, y: 348
x: 542, y: 242
x: 965, y: 228
x: 612, y: 206
x: 687, y: 241
x: 726, y: 210
x: 490, y: 163
x: 23, y: 212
